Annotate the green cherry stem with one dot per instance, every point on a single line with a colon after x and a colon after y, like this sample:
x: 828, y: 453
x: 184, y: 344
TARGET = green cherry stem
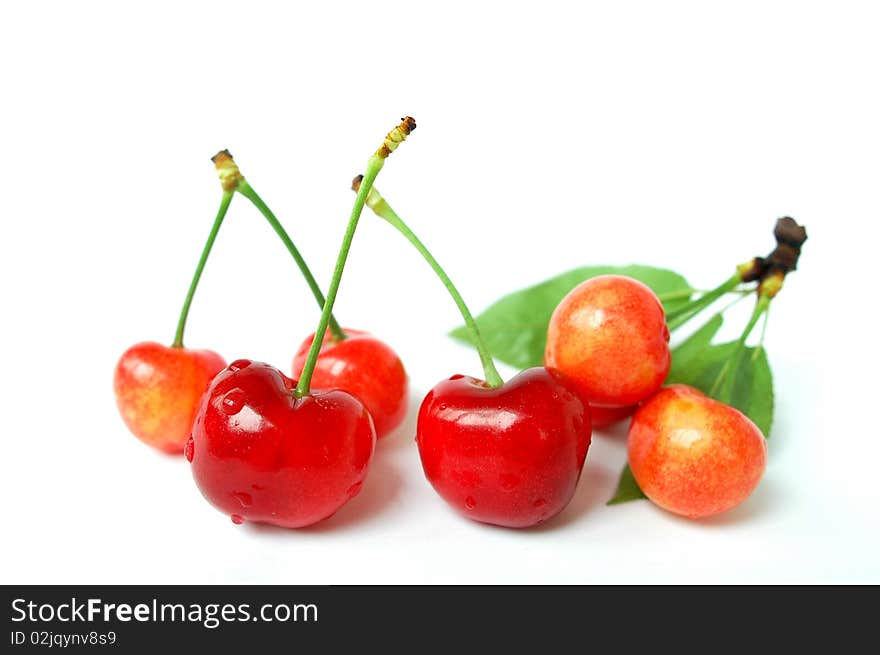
x: 248, y: 192
x: 383, y: 210
x: 678, y: 295
x: 741, y: 295
x: 722, y: 388
x: 305, y: 381
x: 393, y: 139
x: 215, y: 228
x: 764, y: 327
x: 232, y: 180
x: 681, y: 315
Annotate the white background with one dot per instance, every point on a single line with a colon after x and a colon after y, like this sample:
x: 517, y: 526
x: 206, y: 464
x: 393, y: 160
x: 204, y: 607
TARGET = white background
x: 551, y: 135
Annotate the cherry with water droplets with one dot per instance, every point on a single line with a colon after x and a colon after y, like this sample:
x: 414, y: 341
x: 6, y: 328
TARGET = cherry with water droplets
x: 307, y: 450
x: 299, y: 458
x: 233, y: 402
x: 510, y: 455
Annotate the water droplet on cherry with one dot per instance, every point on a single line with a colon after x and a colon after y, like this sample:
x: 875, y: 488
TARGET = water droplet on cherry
x: 233, y: 401
x: 239, y: 364
x: 244, y: 498
x: 238, y: 520
x: 469, y: 502
x: 189, y: 449
x: 354, y: 489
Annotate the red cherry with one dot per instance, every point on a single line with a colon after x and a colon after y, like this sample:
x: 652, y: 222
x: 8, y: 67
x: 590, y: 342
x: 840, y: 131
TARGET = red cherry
x: 510, y: 455
x: 261, y: 454
x: 602, y: 416
x: 365, y: 367
x: 609, y: 337
x: 158, y: 389
x: 693, y: 455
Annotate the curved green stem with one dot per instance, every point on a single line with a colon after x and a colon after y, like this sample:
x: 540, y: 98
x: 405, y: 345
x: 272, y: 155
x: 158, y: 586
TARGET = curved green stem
x: 383, y: 210
x: 184, y: 312
x: 764, y: 327
x: 733, y: 303
x: 374, y: 165
x: 681, y: 315
x: 676, y: 295
x: 722, y: 388
x: 248, y: 192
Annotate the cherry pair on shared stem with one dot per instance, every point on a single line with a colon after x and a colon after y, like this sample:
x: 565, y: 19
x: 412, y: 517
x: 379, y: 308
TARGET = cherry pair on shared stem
x: 268, y: 448
x: 507, y: 453
x: 349, y: 359
x: 694, y: 454
x: 158, y: 387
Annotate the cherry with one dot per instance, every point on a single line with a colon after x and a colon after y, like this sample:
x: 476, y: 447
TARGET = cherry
x: 365, y: 367
x: 693, y: 455
x: 158, y: 389
x: 265, y: 448
x: 509, y: 455
x: 609, y: 337
x: 260, y: 453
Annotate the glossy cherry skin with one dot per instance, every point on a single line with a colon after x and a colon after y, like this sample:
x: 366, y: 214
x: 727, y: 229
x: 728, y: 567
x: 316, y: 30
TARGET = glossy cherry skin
x: 609, y: 337
x: 510, y: 455
x: 261, y: 454
x: 365, y: 367
x: 693, y: 455
x: 158, y: 389
x: 603, y: 417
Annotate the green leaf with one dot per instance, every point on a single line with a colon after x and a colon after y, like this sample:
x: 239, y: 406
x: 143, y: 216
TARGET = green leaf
x: 752, y: 391
x: 515, y: 327
x: 627, y: 489
x: 686, y: 354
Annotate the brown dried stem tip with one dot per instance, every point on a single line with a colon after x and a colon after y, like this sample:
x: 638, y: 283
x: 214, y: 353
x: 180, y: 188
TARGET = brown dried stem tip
x: 227, y: 170
x: 396, y: 136
x: 783, y: 259
x: 773, y: 268
x: 751, y: 270
x: 790, y: 238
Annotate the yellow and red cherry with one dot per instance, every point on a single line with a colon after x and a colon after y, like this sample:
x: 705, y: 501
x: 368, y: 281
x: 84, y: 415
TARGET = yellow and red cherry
x: 693, y: 455
x: 158, y: 389
x: 367, y: 368
x: 609, y: 337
